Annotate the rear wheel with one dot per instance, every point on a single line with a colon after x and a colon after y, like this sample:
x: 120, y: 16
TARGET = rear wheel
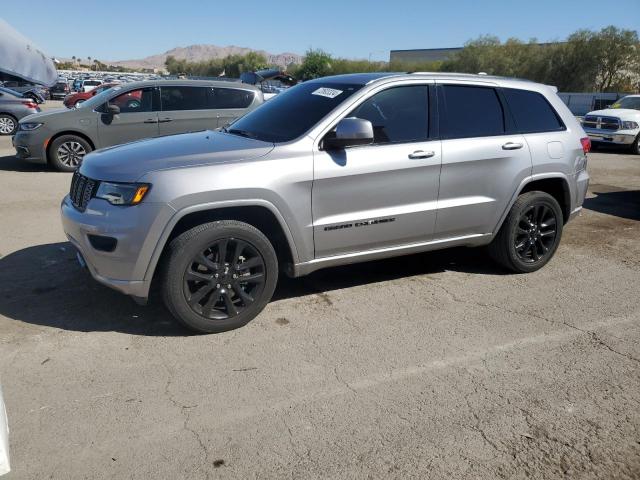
x: 219, y: 276
x: 67, y: 151
x: 8, y: 124
x: 530, y: 234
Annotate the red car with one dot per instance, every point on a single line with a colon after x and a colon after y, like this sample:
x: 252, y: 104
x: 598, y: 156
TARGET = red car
x: 72, y: 100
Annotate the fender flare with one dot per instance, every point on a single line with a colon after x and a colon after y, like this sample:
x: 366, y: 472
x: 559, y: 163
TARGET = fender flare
x: 180, y: 214
x: 526, y: 181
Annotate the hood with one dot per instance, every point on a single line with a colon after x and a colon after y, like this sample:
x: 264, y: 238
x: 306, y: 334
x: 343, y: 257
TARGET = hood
x: 616, y: 112
x: 19, y: 57
x: 42, y: 117
x: 129, y: 162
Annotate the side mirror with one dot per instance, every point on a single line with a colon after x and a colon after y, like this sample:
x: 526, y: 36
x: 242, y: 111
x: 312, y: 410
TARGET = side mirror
x: 113, y: 109
x: 350, y: 132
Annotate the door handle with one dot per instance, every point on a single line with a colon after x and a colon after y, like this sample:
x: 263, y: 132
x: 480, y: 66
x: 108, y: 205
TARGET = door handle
x: 421, y: 154
x: 511, y: 146
x: 151, y: 120
x: 165, y: 120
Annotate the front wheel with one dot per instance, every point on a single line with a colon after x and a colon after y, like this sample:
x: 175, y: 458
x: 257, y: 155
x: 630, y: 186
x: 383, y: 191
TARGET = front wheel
x: 66, y: 152
x: 635, y: 147
x: 8, y: 125
x: 219, y: 276
x: 530, y: 234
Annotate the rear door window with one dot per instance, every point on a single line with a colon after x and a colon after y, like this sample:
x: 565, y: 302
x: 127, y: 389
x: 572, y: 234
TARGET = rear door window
x: 532, y: 112
x: 184, y: 98
x: 471, y: 111
x: 230, y: 98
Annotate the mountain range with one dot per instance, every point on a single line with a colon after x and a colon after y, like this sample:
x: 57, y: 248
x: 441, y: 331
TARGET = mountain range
x: 197, y: 53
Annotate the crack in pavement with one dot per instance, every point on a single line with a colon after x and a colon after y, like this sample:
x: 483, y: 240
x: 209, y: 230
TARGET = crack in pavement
x: 185, y: 412
x: 594, y: 336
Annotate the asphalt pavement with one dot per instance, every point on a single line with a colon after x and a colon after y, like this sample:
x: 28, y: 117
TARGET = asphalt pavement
x: 437, y: 365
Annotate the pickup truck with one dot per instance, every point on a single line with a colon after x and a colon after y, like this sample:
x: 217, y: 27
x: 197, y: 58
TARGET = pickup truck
x: 617, y: 125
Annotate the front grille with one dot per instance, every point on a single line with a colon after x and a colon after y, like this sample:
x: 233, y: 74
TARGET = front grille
x: 82, y: 190
x: 601, y: 123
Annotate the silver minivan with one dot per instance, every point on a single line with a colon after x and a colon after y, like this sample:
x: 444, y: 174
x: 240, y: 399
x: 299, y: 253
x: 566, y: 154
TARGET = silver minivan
x: 126, y: 113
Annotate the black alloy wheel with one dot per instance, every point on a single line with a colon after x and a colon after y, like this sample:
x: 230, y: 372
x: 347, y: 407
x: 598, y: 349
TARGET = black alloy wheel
x: 219, y: 275
x: 224, y: 279
x: 536, y: 233
x: 530, y: 234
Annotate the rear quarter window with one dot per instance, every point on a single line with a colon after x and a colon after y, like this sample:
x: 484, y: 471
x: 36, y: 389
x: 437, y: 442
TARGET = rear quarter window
x: 231, y: 98
x: 532, y: 112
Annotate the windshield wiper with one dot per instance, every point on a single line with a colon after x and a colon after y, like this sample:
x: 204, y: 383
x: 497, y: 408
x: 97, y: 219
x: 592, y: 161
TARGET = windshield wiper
x: 241, y: 133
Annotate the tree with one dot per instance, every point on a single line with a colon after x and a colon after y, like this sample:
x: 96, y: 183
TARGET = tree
x: 317, y: 63
x: 617, y: 57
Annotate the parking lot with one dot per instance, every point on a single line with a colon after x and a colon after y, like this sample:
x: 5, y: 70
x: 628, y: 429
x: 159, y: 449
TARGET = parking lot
x: 436, y: 365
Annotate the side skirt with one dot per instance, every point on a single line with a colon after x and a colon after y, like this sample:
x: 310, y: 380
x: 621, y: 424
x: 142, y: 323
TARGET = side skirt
x: 305, y: 268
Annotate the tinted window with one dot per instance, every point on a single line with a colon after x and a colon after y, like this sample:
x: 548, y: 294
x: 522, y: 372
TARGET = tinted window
x: 471, y: 112
x: 184, y: 98
x: 531, y: 111
x: 230, y: 98
x: 398, y: 114
x: 140, y: 100
x: 291, y: 113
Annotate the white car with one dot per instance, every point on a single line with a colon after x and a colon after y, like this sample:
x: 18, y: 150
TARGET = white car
x: 88, y: 85
x: 617, y: 125
x: 4, y: 439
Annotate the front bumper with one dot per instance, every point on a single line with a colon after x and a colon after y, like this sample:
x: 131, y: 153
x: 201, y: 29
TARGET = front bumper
x: 124, y: 268
x: 626, y: 137
x: 30, y: 146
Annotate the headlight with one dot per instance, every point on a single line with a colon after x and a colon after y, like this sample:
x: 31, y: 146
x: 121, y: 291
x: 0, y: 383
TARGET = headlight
x: 629, y: 125
x: 29, y: 126
x: 122, y: 193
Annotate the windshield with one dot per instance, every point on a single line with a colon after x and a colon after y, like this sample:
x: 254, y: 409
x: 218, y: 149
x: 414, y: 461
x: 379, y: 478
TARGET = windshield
x: 99, y: 99
x: 628, y: 102
x: 293, y: 112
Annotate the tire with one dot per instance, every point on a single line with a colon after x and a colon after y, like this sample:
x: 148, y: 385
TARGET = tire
x: 8, y: 124
x: 67, y: 151
x: 635, y: 147
x: 192, y: 269
x: 530, y: 235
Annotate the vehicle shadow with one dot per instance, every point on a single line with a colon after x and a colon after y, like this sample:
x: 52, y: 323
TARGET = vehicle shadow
x: 620, y: 203
x: 10, y: 163
x: 43, y: 285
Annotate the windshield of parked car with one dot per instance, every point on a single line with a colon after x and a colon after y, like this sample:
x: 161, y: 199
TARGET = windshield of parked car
x: 291, y: 113
x: 628, y: 102
x: 99, y: 99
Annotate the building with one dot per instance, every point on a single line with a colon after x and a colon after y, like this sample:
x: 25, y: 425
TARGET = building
x: 422, y: 55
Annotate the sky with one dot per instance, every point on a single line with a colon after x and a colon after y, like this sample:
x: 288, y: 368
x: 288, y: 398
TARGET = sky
x: 124, y: 30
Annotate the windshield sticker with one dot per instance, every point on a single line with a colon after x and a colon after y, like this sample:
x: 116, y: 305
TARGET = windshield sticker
x: 327, y: 92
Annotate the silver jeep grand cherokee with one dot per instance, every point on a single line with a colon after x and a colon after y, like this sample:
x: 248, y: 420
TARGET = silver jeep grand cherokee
x: 333, y: 171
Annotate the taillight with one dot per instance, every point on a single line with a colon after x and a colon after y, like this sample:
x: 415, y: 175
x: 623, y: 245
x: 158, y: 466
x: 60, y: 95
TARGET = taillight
x: 586, y: 144
x: 30, y: 104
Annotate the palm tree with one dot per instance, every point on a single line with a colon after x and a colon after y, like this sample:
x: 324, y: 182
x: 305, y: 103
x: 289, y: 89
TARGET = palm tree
x: 97, y: 63
x: 74, y: 59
